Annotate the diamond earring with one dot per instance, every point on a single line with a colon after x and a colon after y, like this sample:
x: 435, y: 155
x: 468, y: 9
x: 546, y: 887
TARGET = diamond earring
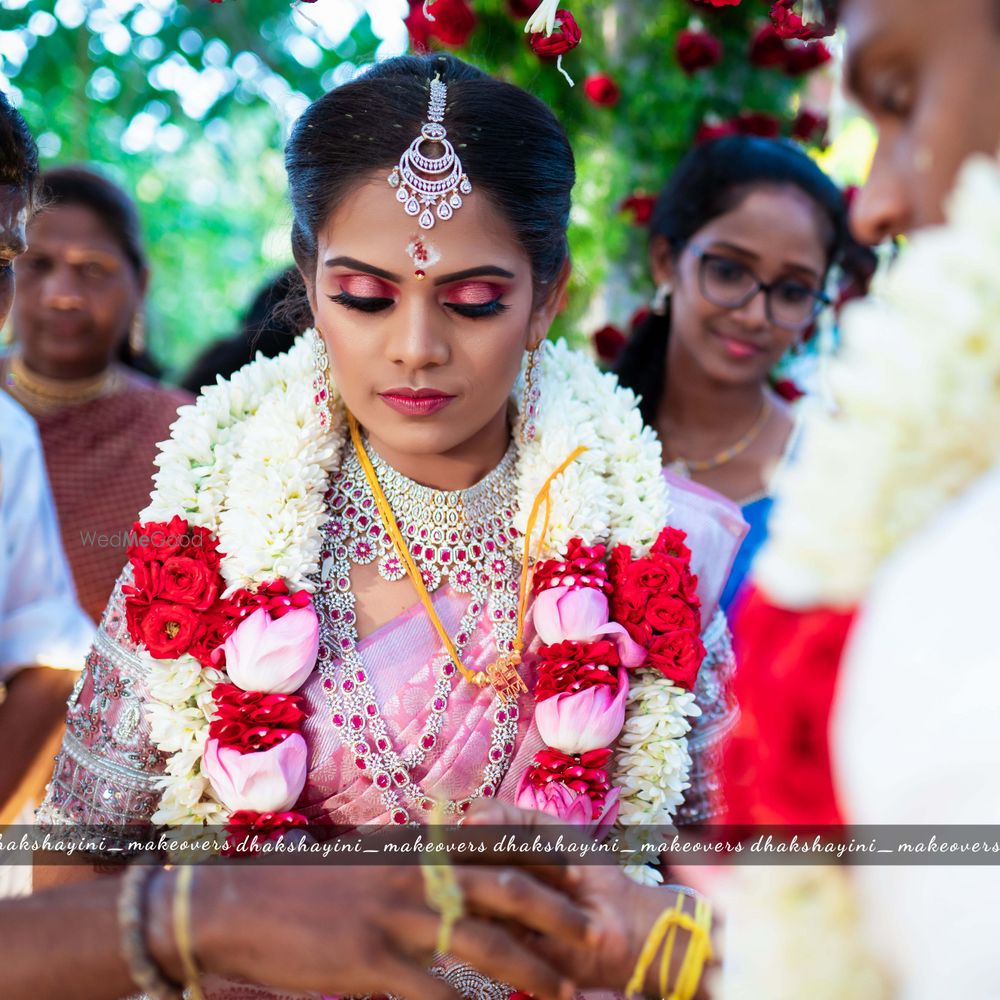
x: 321, y: 379
x: 530, y: 396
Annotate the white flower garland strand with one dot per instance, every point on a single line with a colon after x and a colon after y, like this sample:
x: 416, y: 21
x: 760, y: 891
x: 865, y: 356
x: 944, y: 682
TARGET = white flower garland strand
x: 918, y: 394
x: 250, y: 460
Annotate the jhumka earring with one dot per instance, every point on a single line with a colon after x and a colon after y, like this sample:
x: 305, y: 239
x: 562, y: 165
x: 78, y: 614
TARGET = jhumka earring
x: 660, y: 298
x: 137, y: 334
x: 321, y: 380
x: 530, y: 396
x: 425, y: 185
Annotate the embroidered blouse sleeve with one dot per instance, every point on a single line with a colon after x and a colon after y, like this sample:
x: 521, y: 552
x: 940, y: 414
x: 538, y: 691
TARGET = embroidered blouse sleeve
x: 107, y: 768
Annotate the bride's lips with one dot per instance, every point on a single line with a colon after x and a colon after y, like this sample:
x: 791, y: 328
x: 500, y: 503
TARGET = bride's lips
x: 416, y: 402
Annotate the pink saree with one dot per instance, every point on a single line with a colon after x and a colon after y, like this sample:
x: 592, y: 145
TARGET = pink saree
x: 106, y: 770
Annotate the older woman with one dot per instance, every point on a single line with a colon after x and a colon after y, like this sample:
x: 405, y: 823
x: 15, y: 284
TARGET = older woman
x: 81, y: 287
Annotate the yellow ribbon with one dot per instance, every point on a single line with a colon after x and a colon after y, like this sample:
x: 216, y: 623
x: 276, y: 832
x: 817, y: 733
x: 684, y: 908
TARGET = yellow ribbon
x: 503, y: 673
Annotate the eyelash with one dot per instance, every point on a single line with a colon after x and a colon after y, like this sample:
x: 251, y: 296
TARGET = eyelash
x: 372, y: 305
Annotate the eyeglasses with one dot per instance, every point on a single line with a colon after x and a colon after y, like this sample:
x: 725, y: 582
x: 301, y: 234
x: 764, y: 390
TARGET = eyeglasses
x: 728, y: 283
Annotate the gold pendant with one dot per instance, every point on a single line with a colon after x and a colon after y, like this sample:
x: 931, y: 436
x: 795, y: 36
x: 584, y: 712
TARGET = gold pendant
x: 503, y: 677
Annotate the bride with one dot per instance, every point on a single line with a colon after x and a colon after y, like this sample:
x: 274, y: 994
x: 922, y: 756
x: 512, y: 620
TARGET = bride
x: 262, y: 662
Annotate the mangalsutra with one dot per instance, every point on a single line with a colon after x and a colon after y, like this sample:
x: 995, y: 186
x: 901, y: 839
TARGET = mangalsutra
x: 465, y: 538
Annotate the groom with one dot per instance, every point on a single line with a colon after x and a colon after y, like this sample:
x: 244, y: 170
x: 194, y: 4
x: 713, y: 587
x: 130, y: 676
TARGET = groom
x: 887, y: 710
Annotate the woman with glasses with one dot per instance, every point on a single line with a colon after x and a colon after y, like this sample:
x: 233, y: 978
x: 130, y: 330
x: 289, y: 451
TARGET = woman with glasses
x: 742, y: 241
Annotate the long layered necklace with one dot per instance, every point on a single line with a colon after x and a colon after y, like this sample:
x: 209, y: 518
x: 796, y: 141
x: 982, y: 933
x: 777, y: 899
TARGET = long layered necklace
x: 465, y: 538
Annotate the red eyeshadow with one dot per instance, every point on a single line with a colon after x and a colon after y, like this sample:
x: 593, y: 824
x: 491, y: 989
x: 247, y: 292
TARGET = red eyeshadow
x: 365, y: 286
x: 474, y: 293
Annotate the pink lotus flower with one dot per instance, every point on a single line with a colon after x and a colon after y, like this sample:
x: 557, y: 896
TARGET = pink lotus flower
x: 556, y: 800
x: 567, y: 805
x: 585, y: 720
x: 266, y: 781
x: 274, y: 655
x: 581, y: 614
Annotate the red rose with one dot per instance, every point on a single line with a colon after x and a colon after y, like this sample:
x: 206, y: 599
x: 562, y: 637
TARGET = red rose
x: 656, y: 574
x: 788, y: 24
x: 157, y: 541
x: 522, y: 8
x: 640, y: 205
x: 689, y: 586
x: 639, y: 317
x: 758, y: 123
x: 677, y: 655
x: 670, y: 542
x: 453, y: 22
x: 696, y: 50
x: 187, y: 581
x: 583, y: 773
x: 768, y: 48
x: 601, y: 89
x: 805, y: 58
x: 810, y: 126
x: 566, y: 667
x: 167, y: 630
x: 671, y: 614
x: 609, y: 342
x: 565, y: 37
x: 709, y: 131
x: 583, y: 567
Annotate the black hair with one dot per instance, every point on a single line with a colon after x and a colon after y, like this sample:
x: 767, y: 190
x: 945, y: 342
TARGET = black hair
x: 511, y: 145
x: 268, y: 327
x: 19, y: 159
x: 115, y: 209
x: 710, y: 180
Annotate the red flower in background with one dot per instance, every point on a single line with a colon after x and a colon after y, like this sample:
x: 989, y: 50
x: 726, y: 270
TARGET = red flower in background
x: 788, y: 24
x: 805, y: 58
x: 639, y: 316
x: 601, y: 89
x: 609, y: 342
x: 708, y: 131
x: 810, y: 126
x: 640, y: 205
x: 758, y: 123
x: 697, y: 50
x: 716, y: 3
x: 565, y: 37
x: 768, y: 48
x: 522, y: 8
x: 453, y: 23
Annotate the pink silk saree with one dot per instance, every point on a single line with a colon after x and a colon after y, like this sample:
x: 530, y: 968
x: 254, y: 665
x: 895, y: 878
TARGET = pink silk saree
x: 106, y: 770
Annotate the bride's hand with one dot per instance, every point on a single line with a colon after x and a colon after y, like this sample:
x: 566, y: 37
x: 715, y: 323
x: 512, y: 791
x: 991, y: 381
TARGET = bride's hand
x: 620, y: 912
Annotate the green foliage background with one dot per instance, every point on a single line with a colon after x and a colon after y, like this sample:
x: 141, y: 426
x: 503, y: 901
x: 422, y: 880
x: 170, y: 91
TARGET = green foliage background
x: 96, y: 79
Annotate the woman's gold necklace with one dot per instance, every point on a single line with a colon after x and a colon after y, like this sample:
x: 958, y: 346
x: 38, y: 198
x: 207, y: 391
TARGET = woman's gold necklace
x: 39, y: 394
x: 686, y: 466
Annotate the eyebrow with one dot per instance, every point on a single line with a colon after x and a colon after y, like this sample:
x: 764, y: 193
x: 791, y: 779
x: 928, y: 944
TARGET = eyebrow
x: 360, y: 265
x: 486, y: 270
x: 723, y: 245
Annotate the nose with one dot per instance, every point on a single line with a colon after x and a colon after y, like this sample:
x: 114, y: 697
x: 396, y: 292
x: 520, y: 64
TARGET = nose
x: 61, y: 290
x: 417, y: 340
x: 881, y: 209
x: 752, y: 315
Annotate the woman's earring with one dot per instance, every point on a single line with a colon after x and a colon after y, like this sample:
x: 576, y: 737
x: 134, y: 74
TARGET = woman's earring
x: 660, y: 298
x: 321, y: 379
x: 530, y: 396
x: 137, y: 334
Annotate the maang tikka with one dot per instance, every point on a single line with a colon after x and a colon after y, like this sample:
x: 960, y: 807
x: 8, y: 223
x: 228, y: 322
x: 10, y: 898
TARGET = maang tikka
x: 427, y: 186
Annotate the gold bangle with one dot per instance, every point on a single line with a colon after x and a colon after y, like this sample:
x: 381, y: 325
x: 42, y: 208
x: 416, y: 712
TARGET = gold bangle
x: 182, y: 930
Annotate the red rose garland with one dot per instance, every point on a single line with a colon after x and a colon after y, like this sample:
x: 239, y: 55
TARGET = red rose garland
x: 588, y: 645
x: 602, y: 90
x: 173, y: 607
x: 697, y: 50
x: 564, y: 38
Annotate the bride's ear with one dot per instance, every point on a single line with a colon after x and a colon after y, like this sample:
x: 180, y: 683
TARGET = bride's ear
x: 551, y: 303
